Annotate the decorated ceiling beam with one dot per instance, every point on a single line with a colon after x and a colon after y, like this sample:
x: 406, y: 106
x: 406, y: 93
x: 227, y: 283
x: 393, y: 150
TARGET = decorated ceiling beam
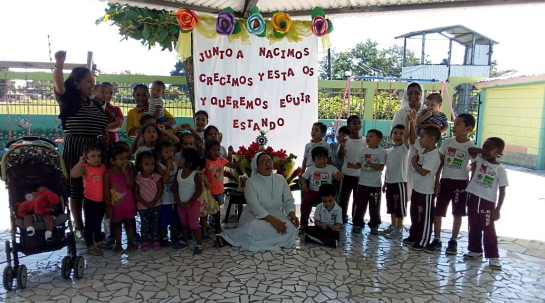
x: 173, y: 30
x: 349, y: 10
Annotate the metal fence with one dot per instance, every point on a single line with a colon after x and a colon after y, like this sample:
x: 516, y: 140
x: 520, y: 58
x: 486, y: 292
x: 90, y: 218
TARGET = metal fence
x: 37, y: 97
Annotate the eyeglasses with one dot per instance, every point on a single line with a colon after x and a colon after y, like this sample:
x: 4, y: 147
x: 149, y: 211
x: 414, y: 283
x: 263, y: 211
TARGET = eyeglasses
x: 269, y: 161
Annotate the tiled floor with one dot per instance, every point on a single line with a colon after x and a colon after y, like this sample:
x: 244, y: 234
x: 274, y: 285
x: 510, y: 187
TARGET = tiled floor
x: 366, y: 268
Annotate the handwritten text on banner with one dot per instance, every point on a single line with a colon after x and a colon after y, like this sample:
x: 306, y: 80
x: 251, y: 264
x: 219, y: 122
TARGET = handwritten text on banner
x: 258, y: 86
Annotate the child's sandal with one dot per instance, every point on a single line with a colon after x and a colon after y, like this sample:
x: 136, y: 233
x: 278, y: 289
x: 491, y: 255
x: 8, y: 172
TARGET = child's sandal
x: 221, y: 241
x: 101, y: 245
x: 130, y: 249
x: 94, y: 251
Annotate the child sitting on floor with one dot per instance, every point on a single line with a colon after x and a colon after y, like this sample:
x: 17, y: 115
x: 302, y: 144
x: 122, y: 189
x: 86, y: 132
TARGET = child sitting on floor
x: 327, y: 219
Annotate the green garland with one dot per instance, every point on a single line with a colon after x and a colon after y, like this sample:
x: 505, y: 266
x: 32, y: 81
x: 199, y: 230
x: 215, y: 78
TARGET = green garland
x: 151, y: 27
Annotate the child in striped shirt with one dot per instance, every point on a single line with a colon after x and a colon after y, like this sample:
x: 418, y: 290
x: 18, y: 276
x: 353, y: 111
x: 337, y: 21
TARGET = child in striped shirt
x: 148, y: 190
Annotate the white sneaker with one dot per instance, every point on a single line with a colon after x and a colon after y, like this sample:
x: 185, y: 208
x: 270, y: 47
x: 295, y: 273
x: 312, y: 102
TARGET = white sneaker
x: 494, y: 263
x: 79, y: 236
x: 396, y: 233
x: 30, y: 231
x: 472, y: 255
x: 387, y: 230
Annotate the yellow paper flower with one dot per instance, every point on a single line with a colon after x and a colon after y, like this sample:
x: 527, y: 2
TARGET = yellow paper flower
x: 281, y: 22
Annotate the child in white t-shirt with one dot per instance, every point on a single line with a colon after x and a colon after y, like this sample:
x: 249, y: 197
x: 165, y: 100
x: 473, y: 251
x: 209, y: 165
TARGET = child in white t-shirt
x: 316, y: 175
x: 327, y: 219
x: 317, y: 133
x: 370, y: 162
x: 425, y: 165
x: 395, y: 181
x: 489, y: 178
x: 454, y: 171
x: 349, y: 149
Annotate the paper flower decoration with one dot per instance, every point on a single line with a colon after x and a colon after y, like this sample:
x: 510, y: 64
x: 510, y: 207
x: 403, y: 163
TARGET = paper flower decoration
x: 281, y: 23
x: 255, y: 23
x: 320, y: 25
x: 186, y: 19
x: 225, y: 23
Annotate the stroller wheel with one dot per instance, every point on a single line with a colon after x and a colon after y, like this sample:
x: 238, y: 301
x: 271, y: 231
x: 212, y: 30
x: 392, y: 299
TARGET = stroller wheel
x: 66, y: 267
x: 8, y: 277
x: 79, y: 267
x: 21, y: 276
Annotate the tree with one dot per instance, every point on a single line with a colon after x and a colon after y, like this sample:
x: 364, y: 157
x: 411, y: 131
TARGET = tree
x: 179, y: 69
x: 495, y: 72
x: 366, y: 59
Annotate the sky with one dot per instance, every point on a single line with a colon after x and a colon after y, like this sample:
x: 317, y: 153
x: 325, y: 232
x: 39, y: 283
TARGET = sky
x: 70, y: 25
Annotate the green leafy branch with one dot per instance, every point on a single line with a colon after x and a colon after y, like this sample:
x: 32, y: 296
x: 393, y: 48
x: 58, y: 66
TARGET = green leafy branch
x: 150, y: 26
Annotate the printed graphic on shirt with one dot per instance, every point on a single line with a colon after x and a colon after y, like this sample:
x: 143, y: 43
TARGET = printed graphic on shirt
x: 169, y: 186
x: 96, y: 178
x: 420, y: 161
x: 115, y: 196
x: 374, y: 159
x: 454, y: 158
x: 333, y: 216
x: 485, y: 176
x: 217, y: 173
x: 319, y: 178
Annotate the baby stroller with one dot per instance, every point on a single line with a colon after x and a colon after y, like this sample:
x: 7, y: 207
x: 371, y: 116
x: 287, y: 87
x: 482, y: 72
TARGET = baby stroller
x: 30, y: 163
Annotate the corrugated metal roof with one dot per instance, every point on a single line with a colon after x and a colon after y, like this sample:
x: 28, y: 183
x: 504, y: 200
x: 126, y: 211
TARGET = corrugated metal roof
x: 458, y: 33
x: 510, y: 80
x: 304, y: 7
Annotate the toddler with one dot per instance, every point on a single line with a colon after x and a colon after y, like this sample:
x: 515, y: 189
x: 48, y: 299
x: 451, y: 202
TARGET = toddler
x: 148, y: 190
x: 214, y: 173
x: 327, y: 219
x: 156, y: 106
x: 168, y: 168
x: 91, y: 168
x: 487, y: 186
x: 432, y: 116
x: 120, y: 206
x: 187, y: 190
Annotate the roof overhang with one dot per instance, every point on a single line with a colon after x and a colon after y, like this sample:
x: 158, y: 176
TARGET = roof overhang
x: 458, y: 33
x: 501, y: 81
x: 304, y: 8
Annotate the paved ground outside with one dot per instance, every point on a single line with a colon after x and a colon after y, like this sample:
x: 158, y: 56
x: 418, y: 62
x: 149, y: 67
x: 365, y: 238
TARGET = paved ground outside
x: 365, y: 268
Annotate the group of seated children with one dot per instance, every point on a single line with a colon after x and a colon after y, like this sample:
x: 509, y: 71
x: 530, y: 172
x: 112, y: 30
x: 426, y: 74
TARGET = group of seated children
x: 430, y: 171
x: 175, y: 182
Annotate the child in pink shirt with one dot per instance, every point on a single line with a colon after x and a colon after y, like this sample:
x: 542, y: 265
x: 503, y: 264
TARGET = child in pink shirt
x: 148, y: 191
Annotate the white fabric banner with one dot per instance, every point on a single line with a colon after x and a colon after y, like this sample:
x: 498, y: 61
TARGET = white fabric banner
x: 258, y: 86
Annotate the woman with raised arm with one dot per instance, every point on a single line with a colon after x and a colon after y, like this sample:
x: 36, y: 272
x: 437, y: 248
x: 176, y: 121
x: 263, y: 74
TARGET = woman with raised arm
x: 83, y: 121
x: 269, y: 222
